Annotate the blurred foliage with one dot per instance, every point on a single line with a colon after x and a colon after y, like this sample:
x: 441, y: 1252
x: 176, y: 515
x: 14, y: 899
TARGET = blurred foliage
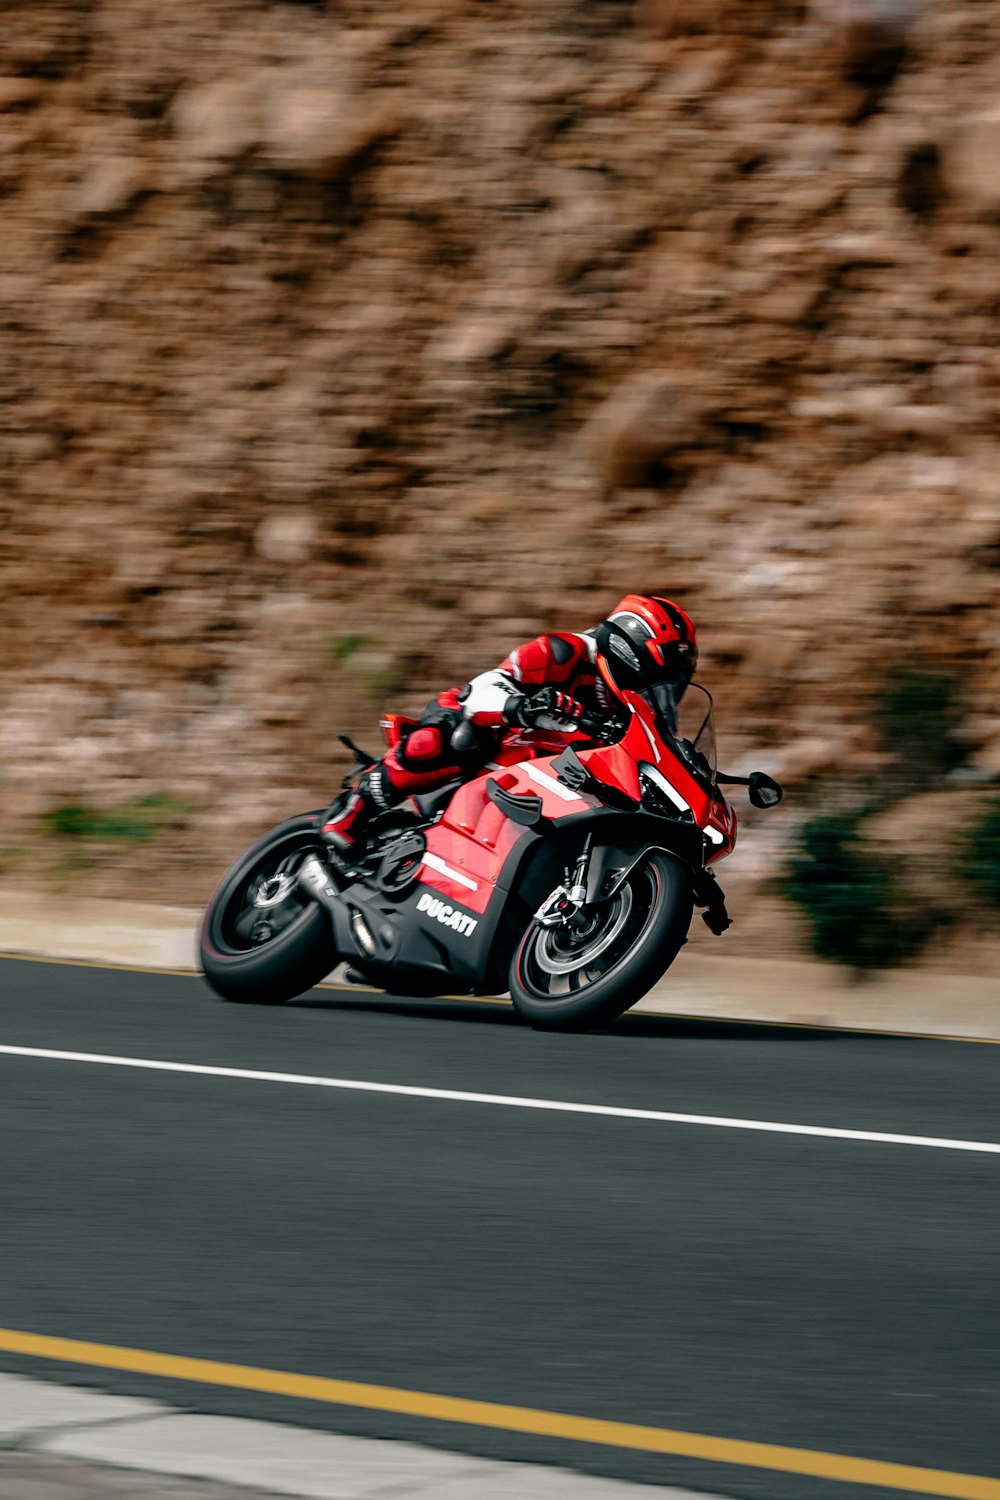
x: 918, y: 718
x: 981, y: 866
x: 856, y: 910
x: 376, y: 668
x: 343, y: 647
x: 135, y: 823
x: 859, y: 910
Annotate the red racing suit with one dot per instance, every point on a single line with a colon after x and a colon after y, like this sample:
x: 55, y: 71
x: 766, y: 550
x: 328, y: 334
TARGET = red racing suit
x: 460, y: 729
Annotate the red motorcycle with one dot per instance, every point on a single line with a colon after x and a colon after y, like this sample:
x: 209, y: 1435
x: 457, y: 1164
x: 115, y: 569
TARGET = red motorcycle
x: 566, y: 873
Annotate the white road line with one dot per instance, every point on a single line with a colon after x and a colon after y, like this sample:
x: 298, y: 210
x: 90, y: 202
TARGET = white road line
x: 511, y: 1101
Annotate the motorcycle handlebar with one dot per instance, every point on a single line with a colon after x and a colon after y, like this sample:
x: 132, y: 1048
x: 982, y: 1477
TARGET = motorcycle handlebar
x: 593, y: 725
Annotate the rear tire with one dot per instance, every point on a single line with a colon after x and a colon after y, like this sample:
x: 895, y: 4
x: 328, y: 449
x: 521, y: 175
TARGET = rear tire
x: 647, y: 929
x: 262, y: 942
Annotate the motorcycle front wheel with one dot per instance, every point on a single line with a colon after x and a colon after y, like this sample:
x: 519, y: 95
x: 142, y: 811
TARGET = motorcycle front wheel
x: 262, y: 941
x: 575, y: 978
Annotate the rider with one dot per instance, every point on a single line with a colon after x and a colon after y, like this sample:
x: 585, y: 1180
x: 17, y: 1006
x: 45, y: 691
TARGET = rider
x: 550, y: 683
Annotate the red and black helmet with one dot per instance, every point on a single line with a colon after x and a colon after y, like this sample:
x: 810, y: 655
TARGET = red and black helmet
x: 647, y: 642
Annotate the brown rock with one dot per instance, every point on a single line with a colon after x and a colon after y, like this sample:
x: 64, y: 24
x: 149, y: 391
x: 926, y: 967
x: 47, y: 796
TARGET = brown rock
x: 920, y: 187
x: 679, y: 17
x: 972, y: 162
x: 813, y: 755
x: 314, y: 125
x: 987, y: 758
x: 110, y: 185
x: 286, y: 536
x: 789, y: 302
x: 670, y: 18
x: 217, y: 124
x: 15, y: 92
x: 910, y: 419
x: 648, y: 418
x: 869, y: 38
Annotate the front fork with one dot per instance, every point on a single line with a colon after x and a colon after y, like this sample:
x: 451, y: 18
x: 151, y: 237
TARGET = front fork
x: 564, y: 906
x: 567, y: 902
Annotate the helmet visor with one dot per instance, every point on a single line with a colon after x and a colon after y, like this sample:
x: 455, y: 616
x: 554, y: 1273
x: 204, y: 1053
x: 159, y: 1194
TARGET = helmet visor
x: 673, y: 663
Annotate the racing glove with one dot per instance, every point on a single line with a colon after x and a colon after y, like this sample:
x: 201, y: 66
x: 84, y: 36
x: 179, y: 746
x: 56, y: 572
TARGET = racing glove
x: 549, y: 709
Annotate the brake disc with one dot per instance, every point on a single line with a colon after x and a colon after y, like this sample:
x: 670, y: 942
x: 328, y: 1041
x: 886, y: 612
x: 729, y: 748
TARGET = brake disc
x: 552, y: 957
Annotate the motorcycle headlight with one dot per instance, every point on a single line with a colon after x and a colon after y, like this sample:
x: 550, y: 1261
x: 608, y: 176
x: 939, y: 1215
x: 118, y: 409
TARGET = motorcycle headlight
x: 659, y: 796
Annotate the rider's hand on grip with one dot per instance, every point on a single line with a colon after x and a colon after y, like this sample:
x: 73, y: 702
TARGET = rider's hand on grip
x: 549, y: 709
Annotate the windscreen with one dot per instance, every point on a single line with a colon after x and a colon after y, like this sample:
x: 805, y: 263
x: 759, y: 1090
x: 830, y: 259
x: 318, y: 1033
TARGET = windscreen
x: 693, y: 728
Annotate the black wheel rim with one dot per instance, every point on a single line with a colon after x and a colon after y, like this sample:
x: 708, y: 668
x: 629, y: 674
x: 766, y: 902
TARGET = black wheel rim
x: 596, y: 963
x: 265, y: 900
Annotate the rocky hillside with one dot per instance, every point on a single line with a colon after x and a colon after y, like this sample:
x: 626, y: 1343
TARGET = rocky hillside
x: 343, y: 346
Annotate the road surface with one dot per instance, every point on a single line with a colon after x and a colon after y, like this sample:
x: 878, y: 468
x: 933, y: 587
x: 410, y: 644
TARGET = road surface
x: 830, y: 1293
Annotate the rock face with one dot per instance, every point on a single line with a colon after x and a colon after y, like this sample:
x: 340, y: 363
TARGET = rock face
x: 975, y: 160
x: 345, y: 346
x: 870, y: 38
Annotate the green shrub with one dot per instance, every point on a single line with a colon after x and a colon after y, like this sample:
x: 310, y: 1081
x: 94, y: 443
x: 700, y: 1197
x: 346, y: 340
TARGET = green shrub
x: 918, y: 718
x: 982, y: 859
x: 135, y: 823
x: 343, y: 647
x: 856, y: 913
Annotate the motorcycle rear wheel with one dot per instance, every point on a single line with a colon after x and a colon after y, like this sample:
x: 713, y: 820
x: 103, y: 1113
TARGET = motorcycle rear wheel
x: 561, y: 981
x: 262, y: 942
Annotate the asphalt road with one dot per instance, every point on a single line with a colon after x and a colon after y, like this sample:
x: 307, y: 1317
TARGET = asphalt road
x: 835, y: 1295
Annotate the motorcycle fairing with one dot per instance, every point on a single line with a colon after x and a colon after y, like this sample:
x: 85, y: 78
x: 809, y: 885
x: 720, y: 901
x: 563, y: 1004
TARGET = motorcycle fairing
x: 469, y: 948
x: 483, y: 873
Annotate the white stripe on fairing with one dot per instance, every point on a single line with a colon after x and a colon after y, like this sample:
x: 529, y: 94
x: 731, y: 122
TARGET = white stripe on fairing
x: 549, y: 782
x: 434, y: 862
x: 665, y: 786
x: 652, y: 743
x: 511, y: 1101
x: 713, y: 834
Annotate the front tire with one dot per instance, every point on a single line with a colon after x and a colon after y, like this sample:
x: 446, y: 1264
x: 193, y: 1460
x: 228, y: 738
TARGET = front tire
x: 561, y: 981
x: 262, y: 941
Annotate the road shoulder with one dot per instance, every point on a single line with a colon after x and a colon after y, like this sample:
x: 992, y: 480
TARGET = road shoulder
x: 79, y: 1445
x: 784, y: 991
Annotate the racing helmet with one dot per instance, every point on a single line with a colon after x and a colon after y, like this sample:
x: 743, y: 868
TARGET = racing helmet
x: 647, y: 644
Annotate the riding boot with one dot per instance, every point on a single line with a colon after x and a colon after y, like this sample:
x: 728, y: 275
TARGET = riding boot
x: 347, y: 819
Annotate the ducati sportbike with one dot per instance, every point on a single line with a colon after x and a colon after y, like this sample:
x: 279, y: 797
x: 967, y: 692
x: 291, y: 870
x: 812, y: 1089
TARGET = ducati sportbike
x: 566, y: 874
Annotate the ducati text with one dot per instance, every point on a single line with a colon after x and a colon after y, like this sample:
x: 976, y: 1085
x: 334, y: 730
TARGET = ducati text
x: 448, y: 916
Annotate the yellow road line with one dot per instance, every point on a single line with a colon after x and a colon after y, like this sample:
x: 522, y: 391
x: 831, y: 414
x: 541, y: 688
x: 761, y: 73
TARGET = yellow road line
x: 631, y: 1015
x: 96, y: 963
x: 816, y: 1465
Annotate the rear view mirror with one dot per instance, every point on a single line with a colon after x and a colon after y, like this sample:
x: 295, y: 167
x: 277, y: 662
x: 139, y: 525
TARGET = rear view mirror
x: 764, y: 790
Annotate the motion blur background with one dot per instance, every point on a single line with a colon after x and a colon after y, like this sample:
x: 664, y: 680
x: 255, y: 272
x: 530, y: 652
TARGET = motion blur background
x: 345, y: 346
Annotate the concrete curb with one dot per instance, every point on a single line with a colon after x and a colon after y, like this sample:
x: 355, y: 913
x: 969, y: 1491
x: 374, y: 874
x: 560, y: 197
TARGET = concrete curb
x: 61, y: 1421
x: 134, y: 934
